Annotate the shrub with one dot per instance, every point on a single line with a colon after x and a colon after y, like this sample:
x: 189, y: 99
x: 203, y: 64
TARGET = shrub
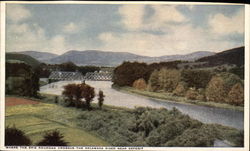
x: 140, y: 84
x: 181, y: 89
x: 192, y: 94
x: 236, y: 95
x: 197, y: 137
x: 16, y: 137
x: 54, y: 138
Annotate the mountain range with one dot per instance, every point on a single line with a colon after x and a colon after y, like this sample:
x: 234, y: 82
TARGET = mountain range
x: 105, y: 58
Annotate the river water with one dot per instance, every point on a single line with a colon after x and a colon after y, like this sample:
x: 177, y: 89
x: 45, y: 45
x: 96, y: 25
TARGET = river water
x: 113, y: 97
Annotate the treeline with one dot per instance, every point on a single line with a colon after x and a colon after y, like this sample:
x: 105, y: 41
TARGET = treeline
x: 21, y: 79
x: 128, y: 72
x: 232, y: 56
x: 46, y: 69
x: 194, y: 84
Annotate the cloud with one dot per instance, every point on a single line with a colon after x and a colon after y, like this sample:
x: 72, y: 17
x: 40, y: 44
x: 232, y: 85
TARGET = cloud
x: 223, y: 25
x: 21, y: 37
x: 17, y: 13
x: 133, y: 16
x: 182, y: 39
x: 71, y: 28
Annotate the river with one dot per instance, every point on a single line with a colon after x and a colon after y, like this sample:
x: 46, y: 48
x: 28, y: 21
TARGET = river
x: 113, y: 97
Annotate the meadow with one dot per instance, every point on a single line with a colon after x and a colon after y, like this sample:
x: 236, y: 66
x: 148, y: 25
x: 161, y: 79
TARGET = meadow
x: 37, y: 119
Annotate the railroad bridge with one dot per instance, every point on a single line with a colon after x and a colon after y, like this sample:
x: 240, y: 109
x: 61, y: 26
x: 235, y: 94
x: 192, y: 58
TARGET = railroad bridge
x: 98, y: 76
x: 69, y: 76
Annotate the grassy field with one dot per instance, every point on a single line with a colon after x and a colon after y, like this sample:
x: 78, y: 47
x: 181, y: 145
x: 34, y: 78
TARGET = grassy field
x: 35, y: 120
x: 170, y: 97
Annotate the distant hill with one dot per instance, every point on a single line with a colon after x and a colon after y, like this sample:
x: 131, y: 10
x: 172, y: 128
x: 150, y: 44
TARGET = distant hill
x: 16, y: 57
x: 231, y: 56
x: 40, y: 56
x: 94, y: 57
x: 104, y: 58
x: 187, y: 57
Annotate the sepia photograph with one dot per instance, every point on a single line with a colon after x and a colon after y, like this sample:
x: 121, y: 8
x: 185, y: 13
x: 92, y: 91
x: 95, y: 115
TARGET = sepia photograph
x: 124, y: 76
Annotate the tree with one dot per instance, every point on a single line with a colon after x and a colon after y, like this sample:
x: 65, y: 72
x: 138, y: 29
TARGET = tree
x: 220, y: 85
x: 100, y: 98
x: 169, y: 79
x: 16, y: 137
x: 88, y: 93
x: 196, y: 78
x: 216, y: 90
x: 69, y: 93
x: 54, y: 138
x: 236, y: 95
x: 154, y: 81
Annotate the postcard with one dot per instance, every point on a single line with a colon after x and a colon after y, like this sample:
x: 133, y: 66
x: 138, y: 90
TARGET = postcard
x: 124, y: 76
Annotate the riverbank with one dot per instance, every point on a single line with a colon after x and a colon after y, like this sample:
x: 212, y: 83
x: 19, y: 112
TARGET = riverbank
x: 168, y: 97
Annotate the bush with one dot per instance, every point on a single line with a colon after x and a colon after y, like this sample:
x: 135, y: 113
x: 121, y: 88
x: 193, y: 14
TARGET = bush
x: 197, y: 137
x: 16, y: 137
x: 140, y: 84
x: 54, y: 138
x: 150, y: 127
x: 192, y: 94
x: 236, y: 95
x: 181, y: 89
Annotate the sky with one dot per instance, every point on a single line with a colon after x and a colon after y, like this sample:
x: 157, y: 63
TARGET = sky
x: 143, y: 29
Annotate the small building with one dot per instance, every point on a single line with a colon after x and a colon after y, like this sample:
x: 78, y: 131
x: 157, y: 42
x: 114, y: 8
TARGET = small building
x: 66, y: 76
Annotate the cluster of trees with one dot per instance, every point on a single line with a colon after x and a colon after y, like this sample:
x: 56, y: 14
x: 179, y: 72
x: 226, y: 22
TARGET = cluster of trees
x: 195, y: 84
x: 16, y: 137
x: 21, y: 79
x: 151, y: 127
x: 128, y: 72
x: 45, y: 69
x: 74, y: 93
x: 199, y: 85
